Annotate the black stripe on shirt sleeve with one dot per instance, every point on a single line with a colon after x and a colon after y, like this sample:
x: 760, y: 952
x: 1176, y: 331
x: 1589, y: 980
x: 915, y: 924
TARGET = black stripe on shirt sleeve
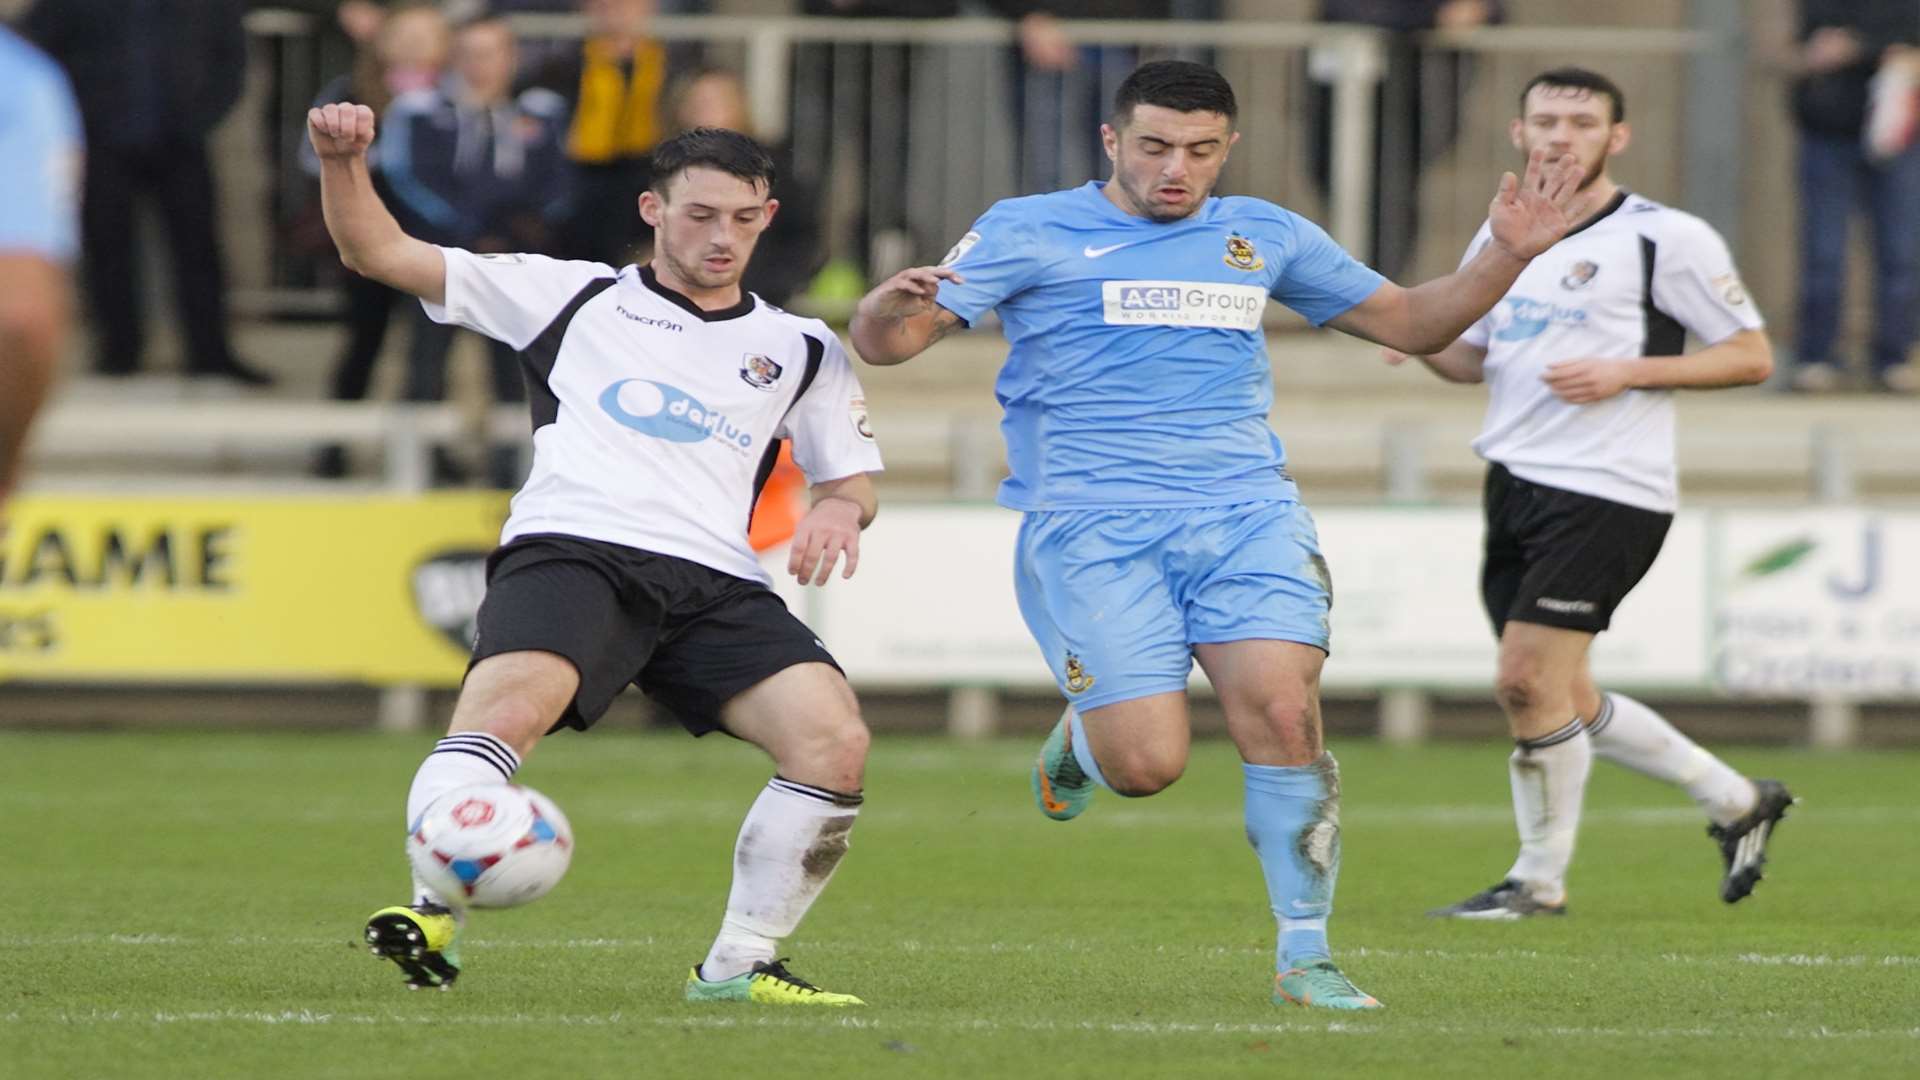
x: 538, y: 358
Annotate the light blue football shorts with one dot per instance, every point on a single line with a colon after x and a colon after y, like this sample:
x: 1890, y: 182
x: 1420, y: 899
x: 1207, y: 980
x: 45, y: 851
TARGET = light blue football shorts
x: 1117, y: 599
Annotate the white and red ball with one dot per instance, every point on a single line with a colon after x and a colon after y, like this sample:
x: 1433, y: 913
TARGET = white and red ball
x: 491, y: 845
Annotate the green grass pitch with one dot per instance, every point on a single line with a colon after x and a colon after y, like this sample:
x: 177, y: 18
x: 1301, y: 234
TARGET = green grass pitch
x: 190, y: 905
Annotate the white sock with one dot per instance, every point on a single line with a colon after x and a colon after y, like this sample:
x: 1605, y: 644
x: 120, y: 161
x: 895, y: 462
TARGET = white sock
x: 792, y: 840
x: 460, y: 759
x: 1549, y: 776
x: 1629, y: 733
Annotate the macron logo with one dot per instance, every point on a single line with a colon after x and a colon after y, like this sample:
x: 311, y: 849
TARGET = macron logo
x: 1092, y: 252
x: 645, y: 320
x: 1566, y: 607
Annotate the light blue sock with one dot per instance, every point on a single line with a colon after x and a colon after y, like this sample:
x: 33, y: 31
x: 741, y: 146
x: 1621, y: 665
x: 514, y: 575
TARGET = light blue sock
x: 1082, y: 752
x: 1293, y: 823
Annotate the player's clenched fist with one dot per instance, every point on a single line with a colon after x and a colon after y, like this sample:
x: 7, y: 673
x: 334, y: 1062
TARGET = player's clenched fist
x: 340, y: 131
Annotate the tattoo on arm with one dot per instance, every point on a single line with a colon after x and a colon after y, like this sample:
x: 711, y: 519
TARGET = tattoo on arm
x: 944, y: 322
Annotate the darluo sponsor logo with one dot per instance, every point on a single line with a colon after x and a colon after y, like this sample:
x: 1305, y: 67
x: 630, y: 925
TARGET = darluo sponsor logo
x: 1183, y: 303
x: 1521, y: 318
x: 668, y: 412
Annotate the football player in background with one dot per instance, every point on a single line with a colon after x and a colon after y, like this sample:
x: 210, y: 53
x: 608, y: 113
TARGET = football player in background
x: 1581, y: 359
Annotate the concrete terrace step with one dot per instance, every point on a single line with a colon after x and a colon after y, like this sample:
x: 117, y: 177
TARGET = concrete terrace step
x: 1342, y: 412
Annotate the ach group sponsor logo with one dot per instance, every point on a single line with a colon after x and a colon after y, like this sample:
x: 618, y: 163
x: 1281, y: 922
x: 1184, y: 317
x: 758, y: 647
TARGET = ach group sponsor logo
x: 667, y: 412
x: 1182, y: 303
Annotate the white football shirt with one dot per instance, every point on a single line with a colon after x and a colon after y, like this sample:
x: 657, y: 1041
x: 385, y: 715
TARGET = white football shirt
x: 1633, y: 281
x: 655, y: 423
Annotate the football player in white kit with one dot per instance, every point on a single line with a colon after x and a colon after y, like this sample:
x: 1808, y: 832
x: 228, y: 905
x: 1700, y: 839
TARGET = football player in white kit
x: 1580, y: 360
x: 661, y: 395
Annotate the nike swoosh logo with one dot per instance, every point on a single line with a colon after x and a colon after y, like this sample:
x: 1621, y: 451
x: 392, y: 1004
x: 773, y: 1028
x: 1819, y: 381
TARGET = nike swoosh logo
x: 1092, y: 252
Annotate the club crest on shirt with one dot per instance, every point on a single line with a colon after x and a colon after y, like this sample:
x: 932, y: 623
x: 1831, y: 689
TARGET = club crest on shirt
x: 759, y: 372
x: 1078, y: 681
x: 960, y: 248
x: 1580, y: 274
x: 1241, y: 254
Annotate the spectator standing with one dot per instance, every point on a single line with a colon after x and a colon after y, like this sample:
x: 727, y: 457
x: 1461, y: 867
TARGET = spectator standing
x: 1838, y: 45
x: 1063, y: 91
x: 614, y: 86
x: 153, y: 78
x: 890, y: 77
x: 469, y: 164
x: 407, y: 53
x: 39, y: 200
x: 1415, y: 113
x: 791, y: 251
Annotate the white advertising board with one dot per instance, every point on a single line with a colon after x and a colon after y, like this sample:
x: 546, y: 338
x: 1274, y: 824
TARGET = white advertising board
x: 1819, y: 602
x: 1407, y: 608
x: 933, y: 603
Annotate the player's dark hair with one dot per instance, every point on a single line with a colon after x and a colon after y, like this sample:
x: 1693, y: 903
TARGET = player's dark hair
x: 715, y: 148
x: 1180, y: 85
x: 1574, y: 78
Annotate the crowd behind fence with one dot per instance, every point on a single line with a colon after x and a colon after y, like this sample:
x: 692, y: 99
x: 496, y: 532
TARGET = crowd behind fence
x: 913, y: 127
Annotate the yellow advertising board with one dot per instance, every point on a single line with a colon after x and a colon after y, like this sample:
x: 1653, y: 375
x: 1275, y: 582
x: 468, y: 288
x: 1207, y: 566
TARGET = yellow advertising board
x: 370, y: 589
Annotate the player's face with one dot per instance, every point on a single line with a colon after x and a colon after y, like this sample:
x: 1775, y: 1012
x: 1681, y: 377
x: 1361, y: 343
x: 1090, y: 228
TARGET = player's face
x: 1166, y: 162
x: 706, y: 224
x: 1571, y: 120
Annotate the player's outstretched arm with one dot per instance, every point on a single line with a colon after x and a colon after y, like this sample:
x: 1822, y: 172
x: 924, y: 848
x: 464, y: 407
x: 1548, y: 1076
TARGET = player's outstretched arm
x: 841, y: 508
x: 371, y: 242
x: 900, y: 318
x: 1457, y: 363
x: 1741, y: 359
x: 1528, y: 215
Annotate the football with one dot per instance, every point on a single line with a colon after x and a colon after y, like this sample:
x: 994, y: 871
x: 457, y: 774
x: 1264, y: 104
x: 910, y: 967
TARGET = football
x: 491, y: 845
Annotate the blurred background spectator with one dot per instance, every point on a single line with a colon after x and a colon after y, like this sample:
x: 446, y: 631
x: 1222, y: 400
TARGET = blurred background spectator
x: 1064, y: 90
x: 473, y: 165
x: 153, y: 78
x: 1838, y: 45
x: 614, y: 83
x: 1416, y: 111
x: 882, y: 239
x: 406, y: 53
x: 791, y: 251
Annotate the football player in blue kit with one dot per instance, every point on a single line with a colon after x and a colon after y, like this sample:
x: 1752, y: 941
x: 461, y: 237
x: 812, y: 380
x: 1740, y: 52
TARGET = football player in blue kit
x: 1161, y: 525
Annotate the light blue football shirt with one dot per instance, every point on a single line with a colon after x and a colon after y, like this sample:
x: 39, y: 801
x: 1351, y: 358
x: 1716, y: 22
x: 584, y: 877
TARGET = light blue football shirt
x: 40, y: 153
x: 1138, y: 375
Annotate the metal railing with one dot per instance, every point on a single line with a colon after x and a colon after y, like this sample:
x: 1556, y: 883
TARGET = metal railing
x: 911, y: 128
